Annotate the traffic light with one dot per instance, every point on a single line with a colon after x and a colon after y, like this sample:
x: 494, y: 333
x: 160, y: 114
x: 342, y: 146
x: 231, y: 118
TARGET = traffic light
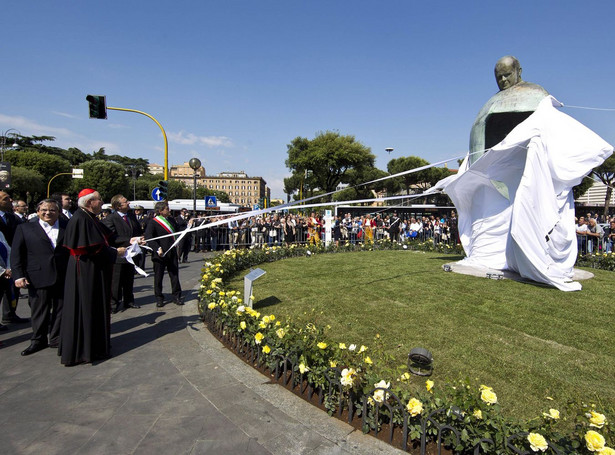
x: 164, y: 189
x: 98, y: 106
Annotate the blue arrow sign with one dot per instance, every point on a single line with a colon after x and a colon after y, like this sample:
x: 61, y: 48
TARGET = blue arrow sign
x: 156, y: 194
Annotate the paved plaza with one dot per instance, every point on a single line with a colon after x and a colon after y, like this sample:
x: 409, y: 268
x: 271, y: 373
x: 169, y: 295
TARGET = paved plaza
x: 170, y: 388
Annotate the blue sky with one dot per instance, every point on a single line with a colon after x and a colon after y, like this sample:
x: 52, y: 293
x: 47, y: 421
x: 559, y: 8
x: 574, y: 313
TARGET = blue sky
x: 233, y: 82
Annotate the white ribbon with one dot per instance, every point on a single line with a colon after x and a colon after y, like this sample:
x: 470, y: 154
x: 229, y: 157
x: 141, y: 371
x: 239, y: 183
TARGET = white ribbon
x: 133, y: 250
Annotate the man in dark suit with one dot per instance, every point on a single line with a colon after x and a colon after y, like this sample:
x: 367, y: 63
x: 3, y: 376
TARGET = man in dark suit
x: 8, y: 225
x: 125, y: 227
x: 38, y: 261
x: 65, y: 204
x: 163, y: 256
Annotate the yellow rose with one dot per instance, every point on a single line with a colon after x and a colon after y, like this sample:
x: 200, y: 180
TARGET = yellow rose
x: 606, y: 451
x: 342, y: 345
x: 594, y: 441
x: 242, y: 324
x: 347, y: 378
x: 266, y: 349
x: 414, y: 407
x: 368, y: 360
x: 332, y: 363
x: 271, y: 317
x: 596, y: 419
x: 553, y: 414
x: 322, y: 345
x: 211, y: 306
x: 222, y: 293
x: 259, y: 337
x: 363, y: 348
x: 379, y: 395
x: 537, y: 442
x: 478, y: 413
x: 208, y: 292
x: 266, y: 320
x: 488, y: 396
x: 280, y: 333
x: 429, y: 385
x: 303, y: 368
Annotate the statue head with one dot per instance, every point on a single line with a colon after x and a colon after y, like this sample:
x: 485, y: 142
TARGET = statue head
x: 507, y: 72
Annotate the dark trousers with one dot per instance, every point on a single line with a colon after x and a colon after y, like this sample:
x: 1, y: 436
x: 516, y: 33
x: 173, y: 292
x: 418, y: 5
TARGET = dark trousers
x: 122, y: 283
x: 8, y: 298
x: 46, y: 305
x: 169, y: 263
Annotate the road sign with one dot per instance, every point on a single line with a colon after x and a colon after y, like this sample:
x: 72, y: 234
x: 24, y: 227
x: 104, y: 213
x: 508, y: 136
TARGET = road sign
x: 211, y: 202
x: 77, y: 173
x: 256, y: 207
x: 156, y: 196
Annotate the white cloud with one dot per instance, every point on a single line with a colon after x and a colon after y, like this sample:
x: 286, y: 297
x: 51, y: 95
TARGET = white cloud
x: 64, y: 114
x: 28, y: 127
x: 185, y: 138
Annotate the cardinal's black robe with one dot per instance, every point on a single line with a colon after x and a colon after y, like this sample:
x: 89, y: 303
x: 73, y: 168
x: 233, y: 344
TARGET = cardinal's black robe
x: 86, y: 317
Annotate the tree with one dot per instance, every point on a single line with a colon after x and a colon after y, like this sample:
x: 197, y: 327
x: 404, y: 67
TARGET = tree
x: 45, y: 164
x: 291, y: 184
x: 606, y: 173
x: 221, y: 196
x: 329, y: 157
x: 28, y: 184
x: 406, y: 163
x: 356, y: 178
x: 105, y: 177
x: 581, y: 188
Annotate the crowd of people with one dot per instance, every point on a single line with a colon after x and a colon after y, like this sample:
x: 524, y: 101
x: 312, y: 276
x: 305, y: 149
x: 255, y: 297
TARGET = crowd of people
x: 595, y: 234
x: 77, y: 268
x: 287, y: 229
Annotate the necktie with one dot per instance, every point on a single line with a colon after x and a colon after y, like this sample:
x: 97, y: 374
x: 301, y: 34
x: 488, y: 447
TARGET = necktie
x: 126, y: 219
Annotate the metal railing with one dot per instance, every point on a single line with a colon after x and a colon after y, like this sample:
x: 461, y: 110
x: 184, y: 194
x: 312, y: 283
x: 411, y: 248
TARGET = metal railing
x: 440, y: 430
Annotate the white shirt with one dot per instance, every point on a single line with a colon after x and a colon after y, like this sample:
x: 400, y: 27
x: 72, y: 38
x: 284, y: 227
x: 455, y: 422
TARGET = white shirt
x: 67, y: 213
x: 51, y: 231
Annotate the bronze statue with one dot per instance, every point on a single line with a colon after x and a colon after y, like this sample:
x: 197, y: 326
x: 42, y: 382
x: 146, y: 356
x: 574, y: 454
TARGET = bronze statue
x: 515, y: 102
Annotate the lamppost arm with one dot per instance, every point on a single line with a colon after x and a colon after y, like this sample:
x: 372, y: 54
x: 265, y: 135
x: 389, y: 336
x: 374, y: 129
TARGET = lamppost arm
x: 57, y: 175
x: 164, y: 135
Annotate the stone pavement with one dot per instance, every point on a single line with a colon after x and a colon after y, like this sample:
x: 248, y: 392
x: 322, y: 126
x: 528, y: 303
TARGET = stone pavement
x: 170, y: 388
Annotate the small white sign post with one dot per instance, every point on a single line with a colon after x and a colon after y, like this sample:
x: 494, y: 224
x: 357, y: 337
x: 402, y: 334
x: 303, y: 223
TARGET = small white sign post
x: 328, y: 225
x: 247, y: 284
x: 77, y: 173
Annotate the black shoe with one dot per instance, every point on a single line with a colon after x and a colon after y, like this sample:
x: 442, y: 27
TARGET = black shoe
x: 34, y: 347
x: 14, y: 319
x: 115, y: 309
x: 132, y: 305
x: 159, y: 304
x: 178, y: 301
x: 54, y: 346
x: 3, y: 328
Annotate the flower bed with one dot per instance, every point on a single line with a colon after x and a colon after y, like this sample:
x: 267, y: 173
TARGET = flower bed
x: 463, y: 416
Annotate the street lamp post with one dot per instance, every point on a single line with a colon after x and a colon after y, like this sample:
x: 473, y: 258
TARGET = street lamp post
x: 134, y: 171
x: 5, y: 168
x: 195, y: 164
x: 3, y: 140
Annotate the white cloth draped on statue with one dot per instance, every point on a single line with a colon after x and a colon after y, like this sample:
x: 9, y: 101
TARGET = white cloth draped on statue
x: 515, y: 204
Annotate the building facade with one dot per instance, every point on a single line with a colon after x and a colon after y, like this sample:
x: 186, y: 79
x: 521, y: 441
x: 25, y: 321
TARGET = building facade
x: 241, y: 189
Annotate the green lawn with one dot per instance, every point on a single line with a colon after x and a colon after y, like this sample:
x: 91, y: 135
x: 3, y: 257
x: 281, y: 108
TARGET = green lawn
x: 527, y: 342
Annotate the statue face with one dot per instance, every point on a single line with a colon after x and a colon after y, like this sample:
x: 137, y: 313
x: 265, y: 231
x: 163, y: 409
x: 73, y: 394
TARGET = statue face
x: 506, y: 74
